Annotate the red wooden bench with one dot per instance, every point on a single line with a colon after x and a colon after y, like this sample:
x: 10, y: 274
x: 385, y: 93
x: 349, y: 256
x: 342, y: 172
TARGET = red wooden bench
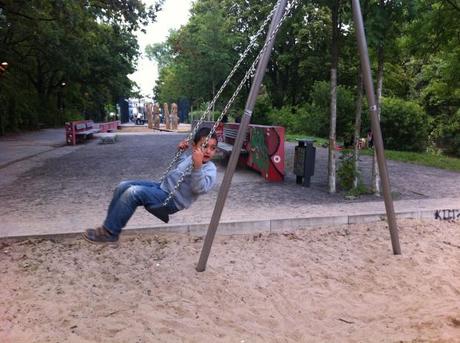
x: 80, y: 130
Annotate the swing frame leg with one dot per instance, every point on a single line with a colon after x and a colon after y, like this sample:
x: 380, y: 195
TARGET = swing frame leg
x: 375, y: 123
x: 230, y: 170
x: 373, y: 112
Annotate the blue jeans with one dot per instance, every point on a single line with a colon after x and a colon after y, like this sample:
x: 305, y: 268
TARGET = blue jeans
x: 128, y: 196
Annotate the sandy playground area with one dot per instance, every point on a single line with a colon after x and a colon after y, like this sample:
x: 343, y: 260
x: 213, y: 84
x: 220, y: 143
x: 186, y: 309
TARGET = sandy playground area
x: 335, y: 284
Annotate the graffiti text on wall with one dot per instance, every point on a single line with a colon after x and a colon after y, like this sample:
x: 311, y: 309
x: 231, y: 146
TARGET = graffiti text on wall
x: 259, y: 149
x: 452, y: 214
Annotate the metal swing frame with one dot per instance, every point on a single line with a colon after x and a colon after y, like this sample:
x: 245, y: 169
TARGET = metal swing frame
x: 250, y: 103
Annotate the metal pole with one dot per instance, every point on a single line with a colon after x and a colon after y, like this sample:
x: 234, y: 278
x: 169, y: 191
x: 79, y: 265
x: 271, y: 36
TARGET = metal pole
x: 223, y: 191
x: 376, y: 132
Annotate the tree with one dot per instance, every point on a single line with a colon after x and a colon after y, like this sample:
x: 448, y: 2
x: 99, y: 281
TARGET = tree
x: 79, y: 51
x: 196, y: 59
x: 335, y: 34
x: 384, y: 23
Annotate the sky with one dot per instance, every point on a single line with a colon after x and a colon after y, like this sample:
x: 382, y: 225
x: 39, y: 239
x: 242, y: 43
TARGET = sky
x: 174, y: 14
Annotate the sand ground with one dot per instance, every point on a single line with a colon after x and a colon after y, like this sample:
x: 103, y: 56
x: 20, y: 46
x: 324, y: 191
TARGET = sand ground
x: 323, y: 284
x: 334, y: 284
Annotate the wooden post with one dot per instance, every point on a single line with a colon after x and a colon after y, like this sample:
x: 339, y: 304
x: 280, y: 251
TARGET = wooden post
x: 174, y: 116
x: 166, y: 116
x: 156, y: 116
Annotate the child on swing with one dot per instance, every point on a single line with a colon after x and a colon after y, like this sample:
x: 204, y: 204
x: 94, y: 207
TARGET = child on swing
x: 130, y: 194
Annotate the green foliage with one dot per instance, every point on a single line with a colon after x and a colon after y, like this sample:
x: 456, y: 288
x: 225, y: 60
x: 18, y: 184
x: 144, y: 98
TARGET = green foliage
x: 161, y: 53
x: 431, y: 51
x: 196, y: 115
x: 301, y: 55
x: 405, y: 125
x: 313, y: 118
x: 285, y: 116
x: 422, y: 158
x: 446, y: 134
x: 419, y: 64
x: 66, y: 58
x: 262, y: 109
x: 320, y: 110
x: 196, y: 59
x: 318, y: 141
x: 346, y: 174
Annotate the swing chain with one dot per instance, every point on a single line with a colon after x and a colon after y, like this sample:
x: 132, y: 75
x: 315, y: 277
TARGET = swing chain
x: 252, y: 69
x: 249, y: 74
x: 224, y: 85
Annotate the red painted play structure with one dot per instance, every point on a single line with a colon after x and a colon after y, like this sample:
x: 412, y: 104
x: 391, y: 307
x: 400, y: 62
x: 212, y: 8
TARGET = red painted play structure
x: 263, y: 148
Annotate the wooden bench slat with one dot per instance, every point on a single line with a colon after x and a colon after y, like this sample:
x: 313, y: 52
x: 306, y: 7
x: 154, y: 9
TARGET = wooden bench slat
x: 225, y: 147
x: 87, y: 132
x: 228, y: 148
x: 80, y: 126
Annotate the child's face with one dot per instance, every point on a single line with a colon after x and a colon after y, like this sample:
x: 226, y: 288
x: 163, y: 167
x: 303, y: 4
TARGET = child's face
x: 209, y: 150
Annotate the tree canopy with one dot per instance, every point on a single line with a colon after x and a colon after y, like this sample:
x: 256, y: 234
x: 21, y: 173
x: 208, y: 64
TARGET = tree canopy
x: 66, y: 59
x: 69, y: 59
x: 415, y: 44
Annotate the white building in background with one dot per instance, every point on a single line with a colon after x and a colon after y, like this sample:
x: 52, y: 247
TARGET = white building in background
x: 137, y: 105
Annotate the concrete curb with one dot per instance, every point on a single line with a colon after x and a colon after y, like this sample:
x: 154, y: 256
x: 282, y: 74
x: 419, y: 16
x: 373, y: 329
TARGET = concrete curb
x: 278, y: 225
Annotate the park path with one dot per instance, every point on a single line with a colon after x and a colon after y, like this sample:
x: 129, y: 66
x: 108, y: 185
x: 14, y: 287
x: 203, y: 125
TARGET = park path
x: 51, y: 188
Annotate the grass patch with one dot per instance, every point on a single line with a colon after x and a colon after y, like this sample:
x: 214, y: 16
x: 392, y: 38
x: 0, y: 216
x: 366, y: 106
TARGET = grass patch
x: 318, y: 140
x: 424, y: 159
x: 420, y: 158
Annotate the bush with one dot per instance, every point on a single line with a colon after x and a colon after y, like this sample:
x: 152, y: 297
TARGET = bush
x: 319, y: 111
x: 262, y: 109
x: 346, y: 172
x: 446, y: 134
x: 288, y: 117
x: 196, y: 115
x: 314, y: 118
x: 405, y: 125
x: 346, y: 175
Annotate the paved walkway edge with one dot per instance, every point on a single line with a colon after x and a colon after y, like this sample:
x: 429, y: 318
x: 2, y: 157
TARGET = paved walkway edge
x: 271, y: 225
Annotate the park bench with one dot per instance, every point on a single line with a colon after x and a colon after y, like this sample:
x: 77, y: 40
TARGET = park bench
x: 229, y: 133
x: 262, y: 150
x: 81, y: 130
x: 107, y: 131
x: 107, y: 137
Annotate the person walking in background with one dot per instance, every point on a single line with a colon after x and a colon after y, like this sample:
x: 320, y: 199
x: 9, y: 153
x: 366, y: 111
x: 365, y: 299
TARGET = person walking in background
x: 370, y: 139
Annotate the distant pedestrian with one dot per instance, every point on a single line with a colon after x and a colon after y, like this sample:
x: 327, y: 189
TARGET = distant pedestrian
x: 3, y: 67
x: 139, y: 119
x: 370, y: 139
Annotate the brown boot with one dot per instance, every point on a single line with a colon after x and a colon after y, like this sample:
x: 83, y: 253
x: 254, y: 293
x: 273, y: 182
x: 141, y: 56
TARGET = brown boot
x: 99, y: 235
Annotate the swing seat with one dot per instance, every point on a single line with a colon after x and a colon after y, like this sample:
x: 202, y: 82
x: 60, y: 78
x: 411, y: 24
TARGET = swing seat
x: 161, y: 213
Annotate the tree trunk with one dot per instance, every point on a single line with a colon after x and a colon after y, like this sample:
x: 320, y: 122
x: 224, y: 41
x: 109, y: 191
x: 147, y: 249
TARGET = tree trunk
x: 356, y: 141
x: 211, y: 116
x: 3, y: 111
x: 333, y: 118
x: 332, y: 133
x: 376, y: 188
